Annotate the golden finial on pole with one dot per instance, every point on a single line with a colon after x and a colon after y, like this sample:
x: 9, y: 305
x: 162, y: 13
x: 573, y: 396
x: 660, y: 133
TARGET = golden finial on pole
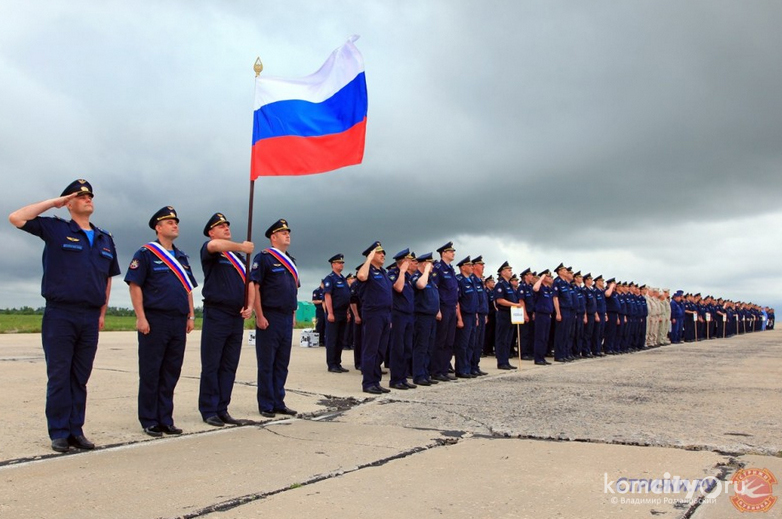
x: 258, y: 67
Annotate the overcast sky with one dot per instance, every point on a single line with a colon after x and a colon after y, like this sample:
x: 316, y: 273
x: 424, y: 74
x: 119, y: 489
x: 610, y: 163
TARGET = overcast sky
x: 636, y: 139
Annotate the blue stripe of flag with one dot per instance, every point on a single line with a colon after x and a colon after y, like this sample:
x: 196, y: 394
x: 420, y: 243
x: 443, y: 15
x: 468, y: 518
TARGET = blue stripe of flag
x: 340, y: 112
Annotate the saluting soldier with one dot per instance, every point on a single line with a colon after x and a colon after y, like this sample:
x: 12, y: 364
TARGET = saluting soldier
x: 427, y: 311
x: 225, y: 310
x: 275, y: 279
x: 161, y: 284
x: 544, y: 307
x: 336, y: 302
x: 79, y: 261
x: 564, y: 314
x: 402, y: 319
x: 376, y: 302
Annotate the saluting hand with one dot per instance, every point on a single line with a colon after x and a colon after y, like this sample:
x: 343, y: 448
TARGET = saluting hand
x: 63, y: 200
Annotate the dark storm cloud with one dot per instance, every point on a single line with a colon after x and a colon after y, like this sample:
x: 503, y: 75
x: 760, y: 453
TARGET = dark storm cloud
x: 628, y: 137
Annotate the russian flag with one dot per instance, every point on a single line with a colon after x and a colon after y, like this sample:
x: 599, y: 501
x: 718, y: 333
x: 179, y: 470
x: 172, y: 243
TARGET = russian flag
x: 312, y: 124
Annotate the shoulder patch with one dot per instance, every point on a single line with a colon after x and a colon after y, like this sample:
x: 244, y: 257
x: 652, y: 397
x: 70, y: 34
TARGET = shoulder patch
x: 133, y: 264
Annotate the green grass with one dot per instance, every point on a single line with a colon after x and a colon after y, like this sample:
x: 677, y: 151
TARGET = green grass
x: 32, y: 323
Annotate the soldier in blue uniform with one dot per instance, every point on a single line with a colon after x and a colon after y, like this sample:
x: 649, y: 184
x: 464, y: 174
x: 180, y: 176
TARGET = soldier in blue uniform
x: 320, y: 314
x: 445, y: 278
x: 376, y: 299
x: 564, y: 310
x: 467, y: 319
x: 580, y: 317
x: 336, y: 300
x: 402, y: 319
x: 358, y: 324
x: 491, y: 321
x: 528, y: 328
x: 590, y: 303
x: 275, y: 280
x: 505, y: 297
x: 483, y: 317
x: 225, y: 310
x: 601, y: 317
x: 427, y: 310
x: 677, y: 317
x: 544, y: 307
x: 161, y: 284
x: 79, y: 261
x: 613, y: 318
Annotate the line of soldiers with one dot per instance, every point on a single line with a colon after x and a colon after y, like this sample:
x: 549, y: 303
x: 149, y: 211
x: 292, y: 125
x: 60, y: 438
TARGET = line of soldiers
x: 79, y: 261
x: 420, y: 315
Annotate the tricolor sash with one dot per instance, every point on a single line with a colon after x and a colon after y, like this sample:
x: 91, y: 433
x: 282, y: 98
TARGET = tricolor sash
x: 237, y: 263
x: 287, y: 263
x: 172, y: 263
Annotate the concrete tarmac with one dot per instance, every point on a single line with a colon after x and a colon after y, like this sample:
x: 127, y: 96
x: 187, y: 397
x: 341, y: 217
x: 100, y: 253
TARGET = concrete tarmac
x: 556, y: 441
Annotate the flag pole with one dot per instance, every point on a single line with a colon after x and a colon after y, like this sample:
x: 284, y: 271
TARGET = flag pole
x: 257, y: 67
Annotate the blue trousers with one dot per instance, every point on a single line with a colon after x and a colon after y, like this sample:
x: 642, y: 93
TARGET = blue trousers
x: 273, y: 352
x: 586, y: 339
x: 70, y: 340
x: 377, y: 328
x: 335, y: 339
x: 611, y: 332
x: 464, y: 342
x: 562, y: 335
x: 542, y: 331
x: 446, y: 334
x: 221, y: 346
x: 598, y: 335
x: 503, y: 337
x: 423, y: 344
x: 478, y: 344
x: 160, y: 356
x: 401, y: 345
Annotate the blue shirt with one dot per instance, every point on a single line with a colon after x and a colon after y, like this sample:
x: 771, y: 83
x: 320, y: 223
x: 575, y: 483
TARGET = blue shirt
x: 427, y: 299
x: 563, y: 293
x: 402, y: 302
x: 160, y: 287
x: 504, y: 290
x: 336, y: 285
x: 376, y: 291
x: 445, y: 279
x: 278, y: 287
x: 600, y: 301
x: 580, y: 299
x: 222, y: 284
x: 544, y: 302
x: 74, y: 272
x: 590, y: 295
x: 483, y: 297
x: 468, y: 296
x: 613, y: 303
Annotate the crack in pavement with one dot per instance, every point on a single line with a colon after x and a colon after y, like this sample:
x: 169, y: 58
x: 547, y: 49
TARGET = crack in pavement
x: 249, y: 498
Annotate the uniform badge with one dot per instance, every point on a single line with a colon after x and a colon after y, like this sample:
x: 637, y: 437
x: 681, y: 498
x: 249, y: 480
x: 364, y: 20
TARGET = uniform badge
x: 70, y: 238
x: 255, y: 266
x: 133, y: 264
x: 326, y: 284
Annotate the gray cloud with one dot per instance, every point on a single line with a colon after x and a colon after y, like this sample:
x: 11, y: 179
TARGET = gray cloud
x: 635, y: 139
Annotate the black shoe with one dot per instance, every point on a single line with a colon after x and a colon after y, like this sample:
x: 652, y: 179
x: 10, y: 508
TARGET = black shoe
x: 409, y: 385
x: 227, y: 418
x: 335, y: 370
x: 60, y: 445
x: 285, y: 410
x: 422, y: 382
x: 451, y: 377
x: 543, y: 363
x: 171, y: 429
x: 463, y: 375
x: 441, y: 378
x: 343, y: 370
x: 80, y: 442
x: 267, y: 414
x: 383, y: 389
x: 399, y: 385
x: 154, y: 431
x: 373, y: 390
x: 480, y: 373
x: 433, y: 381
x: 526, y: 357
x: 214, y: 421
